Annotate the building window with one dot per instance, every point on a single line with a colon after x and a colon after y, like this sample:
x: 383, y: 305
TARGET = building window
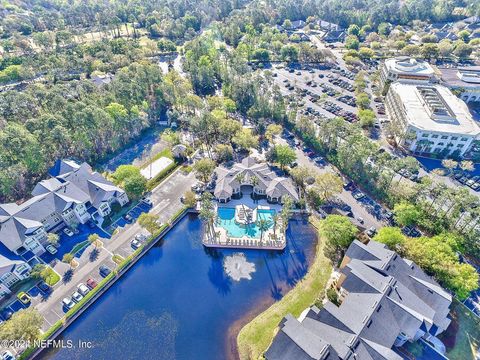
x: 463, y: 139
x: 434, y: 136
x: 441, y: 144
x: 444, y: 137
x: 424, y: 135
x: 454, y: 137
x: 460, y: 146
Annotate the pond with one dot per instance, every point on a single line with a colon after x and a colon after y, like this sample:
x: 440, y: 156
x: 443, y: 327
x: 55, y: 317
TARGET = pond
x: 178, y: 302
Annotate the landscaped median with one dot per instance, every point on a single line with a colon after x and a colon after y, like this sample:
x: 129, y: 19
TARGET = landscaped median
x: 119, y: 270
x: 256, y: 336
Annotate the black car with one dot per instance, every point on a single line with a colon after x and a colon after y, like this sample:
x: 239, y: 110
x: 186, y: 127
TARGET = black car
x: 104, y: 270
x: 43, y: 287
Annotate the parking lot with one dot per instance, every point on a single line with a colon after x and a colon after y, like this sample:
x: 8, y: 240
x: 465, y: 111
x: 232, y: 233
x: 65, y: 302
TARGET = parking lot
x: 320, y: 92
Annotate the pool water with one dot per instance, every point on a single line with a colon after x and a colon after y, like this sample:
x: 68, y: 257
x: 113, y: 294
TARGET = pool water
x: 226, y: 219
x: 178, y: 303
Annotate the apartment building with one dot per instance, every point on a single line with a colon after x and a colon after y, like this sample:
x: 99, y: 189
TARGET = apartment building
x: 385, y: 301
x: 73, y: 195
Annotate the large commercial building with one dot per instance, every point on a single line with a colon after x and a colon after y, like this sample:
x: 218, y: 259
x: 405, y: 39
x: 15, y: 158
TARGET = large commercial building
x: 385, y: 301
x: 74, y: 194
x: 406, y: 70
x: 430, y: 119
x: 463, y: 80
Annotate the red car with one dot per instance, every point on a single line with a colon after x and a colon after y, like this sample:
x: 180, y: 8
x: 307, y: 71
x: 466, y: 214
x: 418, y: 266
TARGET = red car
x: 91, y: 283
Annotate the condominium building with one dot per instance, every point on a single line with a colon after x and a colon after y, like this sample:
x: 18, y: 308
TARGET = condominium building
x: 385, y: 301
x: 406, y: 70
x: 430, y: 119
x: 73, y: 195
x: 12, y: 269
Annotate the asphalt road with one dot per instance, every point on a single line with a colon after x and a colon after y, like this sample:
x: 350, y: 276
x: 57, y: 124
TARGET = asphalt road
x: 358, y: 209
x: 166, y: 202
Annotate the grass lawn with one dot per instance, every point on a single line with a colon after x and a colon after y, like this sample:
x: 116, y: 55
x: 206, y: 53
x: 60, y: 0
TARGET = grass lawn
x: 164, y: 153
x: 50, y: 276
x: 255, y: 337
x: 462, y: 337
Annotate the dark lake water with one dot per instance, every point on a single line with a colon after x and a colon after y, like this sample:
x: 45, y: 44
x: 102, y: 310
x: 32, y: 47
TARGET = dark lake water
x: 177, y: 302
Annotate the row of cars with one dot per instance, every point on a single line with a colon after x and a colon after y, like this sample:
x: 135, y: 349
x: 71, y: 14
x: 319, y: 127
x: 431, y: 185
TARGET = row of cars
x: 337, y: 110
x: 467, y: 179
x: 82, y: 290
x: 342, y: 83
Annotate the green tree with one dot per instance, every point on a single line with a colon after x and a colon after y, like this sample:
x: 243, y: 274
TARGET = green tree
x: 53, y: 239
x: 390, y: 236
x: 23, y: 325
x: 149, y: 222
x: 263, y: 225
x: 328, y: 184
x: 429, y: 51
x: 123, y: 172
x: 406, y: 214
x: 135, y: 186
x: 190, y: 199
x: 463, y: 35
x: 94, y: 240
x: 351, y: 42
x: 463, y: 51
x: 244, y: 139
x: 284, y: 155
x: 67, y: 258
x: 204, y: 168
x: 366, y: 117
x: 362, y: 100
x: 353, y: 29
x: 339, y: 233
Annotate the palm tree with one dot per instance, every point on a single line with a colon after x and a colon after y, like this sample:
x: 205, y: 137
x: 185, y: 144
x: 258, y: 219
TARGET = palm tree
x: 275, y: 219
x: 263, y: 225
x: 467, y: 166
x: 206, y: 211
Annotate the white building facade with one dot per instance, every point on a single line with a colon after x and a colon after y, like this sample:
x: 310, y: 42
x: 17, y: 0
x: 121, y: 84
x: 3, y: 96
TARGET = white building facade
x: 430, y: 119
x: 406, y: 70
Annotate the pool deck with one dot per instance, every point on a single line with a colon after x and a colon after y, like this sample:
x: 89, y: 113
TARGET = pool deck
x: 272, y: 240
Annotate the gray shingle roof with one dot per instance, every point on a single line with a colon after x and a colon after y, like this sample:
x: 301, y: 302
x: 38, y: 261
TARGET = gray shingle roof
x: 249, y: 168
x: 384, y: 295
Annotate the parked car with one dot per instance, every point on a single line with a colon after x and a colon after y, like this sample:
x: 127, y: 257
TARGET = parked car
x: 360, y: 220
x: 51, y: 249
x: 147, y: 201
x: 104, y: 270
x: 371, y: 231
x: 44, y: 287
x: 83, y: 289
x: 91, y: 283
x: 68, y: 303
x: 76, y: 296
x: 141, y: 237
x: 7, y: 355
x: 135, y: 244
x: 68, y: 231
x: 24, y: 297
x: 358, y: 195
x: 128, y: 218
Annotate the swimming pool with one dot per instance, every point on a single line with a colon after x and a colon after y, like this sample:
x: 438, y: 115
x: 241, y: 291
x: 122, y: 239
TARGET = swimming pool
x: 226, y: 219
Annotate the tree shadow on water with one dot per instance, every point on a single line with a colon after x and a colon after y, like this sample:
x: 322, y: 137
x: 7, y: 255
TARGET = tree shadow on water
x: 218, y: 278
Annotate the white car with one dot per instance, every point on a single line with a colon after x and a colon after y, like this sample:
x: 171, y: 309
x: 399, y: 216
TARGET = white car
x: 7, y: 355
x: 51, y: 249
x: 141, y: 237
x: 68, y: 303
x: 83, y: 289
x: 76, y: 296
x: 135, y: 244
x: 68, y: 232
